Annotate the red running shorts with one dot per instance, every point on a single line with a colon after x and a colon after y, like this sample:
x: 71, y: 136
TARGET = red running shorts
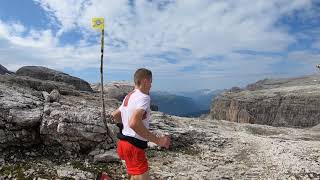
x: 134, y: 157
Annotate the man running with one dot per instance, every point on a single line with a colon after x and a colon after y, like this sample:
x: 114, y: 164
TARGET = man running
x: 134, y: 114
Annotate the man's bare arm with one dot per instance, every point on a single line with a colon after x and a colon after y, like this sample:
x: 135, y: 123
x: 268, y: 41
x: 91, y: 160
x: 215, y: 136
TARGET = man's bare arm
x: 136, y: 124
x: 117, y: 115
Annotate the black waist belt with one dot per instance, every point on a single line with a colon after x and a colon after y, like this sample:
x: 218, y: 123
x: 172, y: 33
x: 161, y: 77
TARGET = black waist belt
x: 134, y: 141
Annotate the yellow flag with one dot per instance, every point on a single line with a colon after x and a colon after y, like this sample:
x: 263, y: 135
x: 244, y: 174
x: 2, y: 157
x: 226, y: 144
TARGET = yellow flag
x: 98, y: 23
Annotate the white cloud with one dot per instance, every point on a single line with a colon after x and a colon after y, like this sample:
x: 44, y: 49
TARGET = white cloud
x: 207, y: 28
x: 66, y: 12
x: 308, y: 59
x: 10, y: 29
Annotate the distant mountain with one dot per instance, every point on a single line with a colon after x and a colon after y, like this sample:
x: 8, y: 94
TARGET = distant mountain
x: 4, y: 70
x: 173, y: 104
x: 203, y: 98
x: 187, y: 104
x: 289, y: 102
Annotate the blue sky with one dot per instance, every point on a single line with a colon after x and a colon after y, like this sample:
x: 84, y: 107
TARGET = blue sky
x: 188, y: 44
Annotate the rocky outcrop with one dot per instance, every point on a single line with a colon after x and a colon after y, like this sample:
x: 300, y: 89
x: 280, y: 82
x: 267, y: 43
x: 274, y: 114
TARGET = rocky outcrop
x: 21, y: 111
x: 38, y: 85
x: 76, y: 124
x: 283, y: 102
x: 44, y: 73
x: 4, y: 70
x: 30, y: 117
x: 116, y: 90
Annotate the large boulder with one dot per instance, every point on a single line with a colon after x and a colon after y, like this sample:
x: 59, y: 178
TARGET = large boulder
x: 44, y: 73
x: 116, y: 90
x: 4, y: 70
x: 73, y: 122
x: 20, y: 116
x: 38, y: 85
x: 290, y: 102
x: 76, y: 124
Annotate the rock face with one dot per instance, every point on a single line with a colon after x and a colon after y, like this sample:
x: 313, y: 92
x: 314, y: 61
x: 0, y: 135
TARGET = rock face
x: 20, y: 116
x: 4, y: 70
x: 284, y: 102
x: 44, y: 73
x: 116, y: 90
x: 29, y: 117
x: 39, y: 85
x: 75, y: 123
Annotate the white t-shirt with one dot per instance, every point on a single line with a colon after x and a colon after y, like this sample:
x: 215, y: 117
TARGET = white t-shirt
x: 133, y: 101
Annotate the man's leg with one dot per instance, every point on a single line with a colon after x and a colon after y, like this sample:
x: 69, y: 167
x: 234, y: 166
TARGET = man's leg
x: 144, y: 176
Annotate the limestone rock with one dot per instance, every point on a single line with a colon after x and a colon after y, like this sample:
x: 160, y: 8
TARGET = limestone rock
x: 54, y: 96
x: 207, y: 149
x: 29, y: 117
x: 20, y: 116
x: 44, y: 73
x: 117, y: 90
x: 283, y: 102
x: 77, y: 127
x: 38, y: 85
x: 4, y: 70
x: 108, y: 156
x: 46, y: 96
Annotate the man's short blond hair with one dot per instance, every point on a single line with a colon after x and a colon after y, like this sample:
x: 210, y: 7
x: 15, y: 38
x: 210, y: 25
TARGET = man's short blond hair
x: 141, y: 74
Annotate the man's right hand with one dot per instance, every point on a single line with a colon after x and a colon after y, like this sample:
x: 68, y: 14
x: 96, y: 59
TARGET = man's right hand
x: 164, y: 141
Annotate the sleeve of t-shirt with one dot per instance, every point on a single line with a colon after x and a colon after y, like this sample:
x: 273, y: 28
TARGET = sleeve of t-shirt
x: 143, y: 103
x: 121, y: 107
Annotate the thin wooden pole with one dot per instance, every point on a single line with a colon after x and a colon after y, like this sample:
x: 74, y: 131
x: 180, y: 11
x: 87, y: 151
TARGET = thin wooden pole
x: 101, y: 75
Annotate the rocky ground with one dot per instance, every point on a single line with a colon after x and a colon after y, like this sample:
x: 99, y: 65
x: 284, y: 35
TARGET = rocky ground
x: 207, y: 149
x: 50, y: 163
x: 50, y: 128
x: 201, y: 149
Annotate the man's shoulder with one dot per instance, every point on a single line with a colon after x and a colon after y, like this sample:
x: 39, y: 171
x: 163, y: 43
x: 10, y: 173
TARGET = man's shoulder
x: 140, y: 95
x: 142, y: 99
